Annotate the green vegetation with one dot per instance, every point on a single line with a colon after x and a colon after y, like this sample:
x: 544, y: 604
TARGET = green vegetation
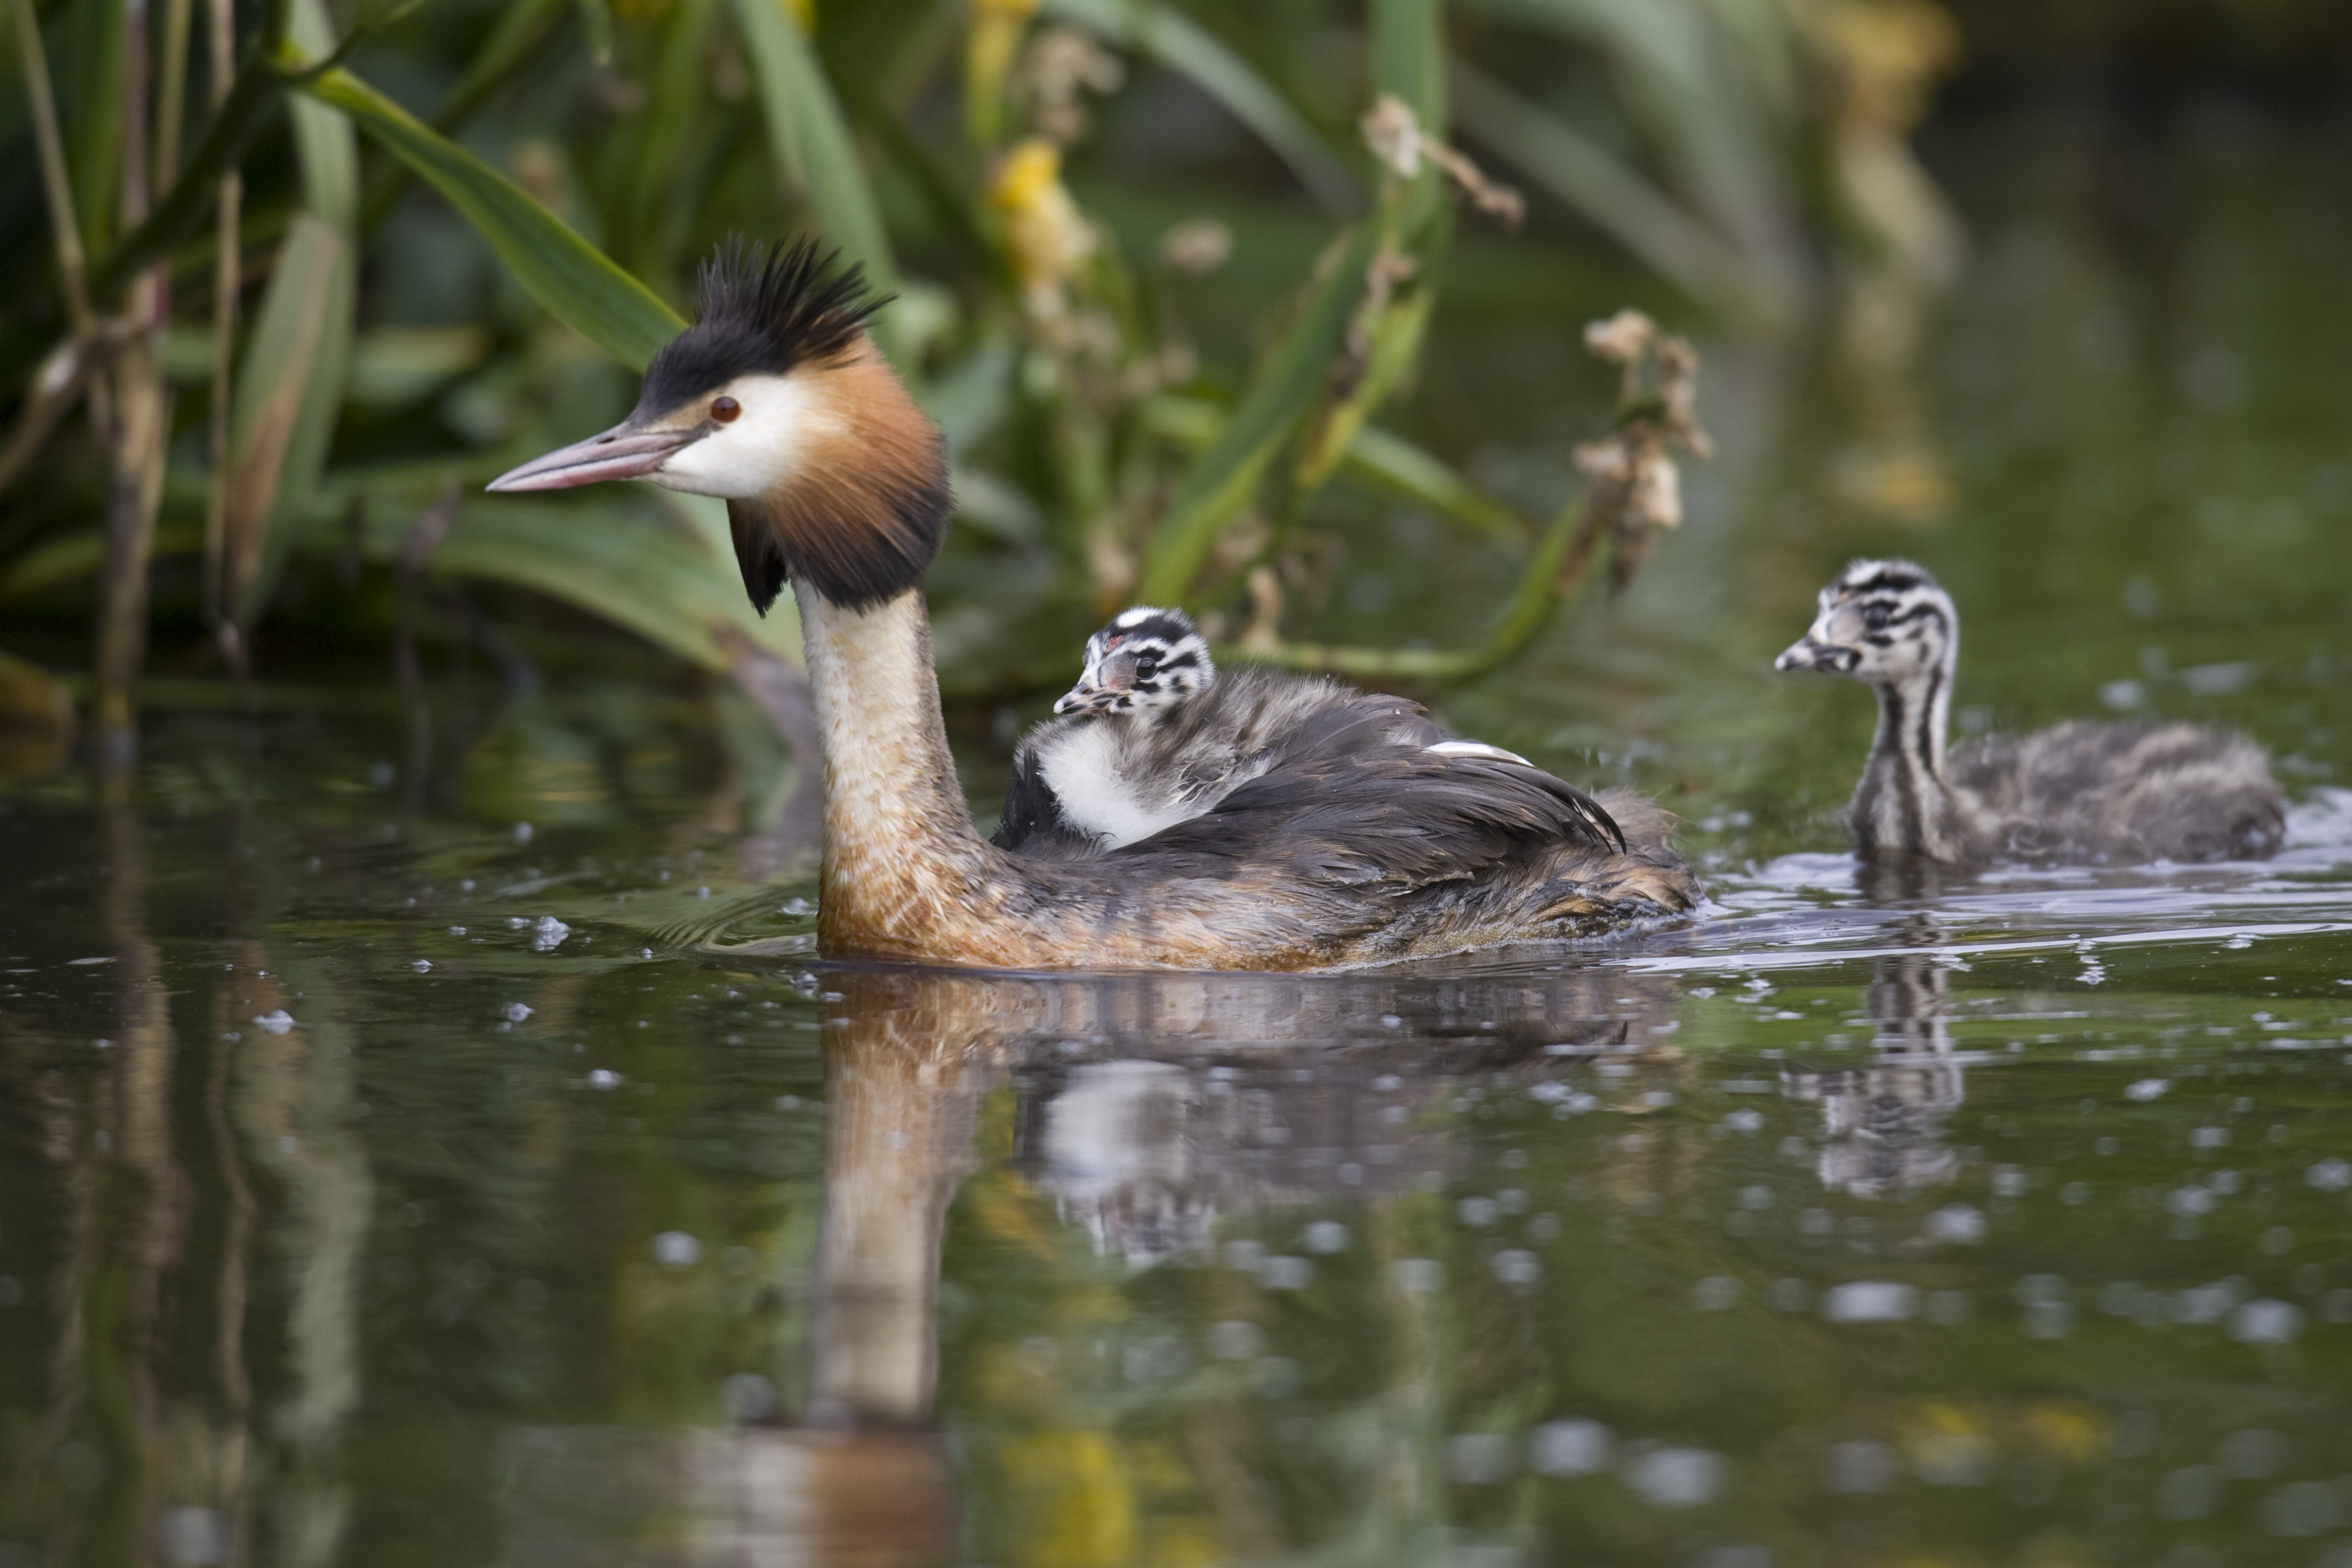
x: 258, y: 344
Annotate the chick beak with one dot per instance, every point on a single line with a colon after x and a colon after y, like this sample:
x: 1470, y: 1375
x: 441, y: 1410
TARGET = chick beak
x: 1101, y: 686
x: 623, y: 452
x: 1809, y: 653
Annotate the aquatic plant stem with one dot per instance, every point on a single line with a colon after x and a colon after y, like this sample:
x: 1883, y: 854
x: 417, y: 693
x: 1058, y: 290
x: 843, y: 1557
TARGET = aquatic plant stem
x: 137, y: 425
x: 1552, y: 577
x: 57, y: 183
x: 227, y: 286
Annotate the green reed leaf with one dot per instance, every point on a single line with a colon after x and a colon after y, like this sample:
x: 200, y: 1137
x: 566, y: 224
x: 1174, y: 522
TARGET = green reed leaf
x: 1607, y: 192
x: 575, y: 282
x: 810, y: 138
x: 1289, y: 383
x: 1191, y: 50
x: 671, y: 580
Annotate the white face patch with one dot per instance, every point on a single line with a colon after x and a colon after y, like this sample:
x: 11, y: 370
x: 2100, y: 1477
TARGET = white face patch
x: 762, y: 450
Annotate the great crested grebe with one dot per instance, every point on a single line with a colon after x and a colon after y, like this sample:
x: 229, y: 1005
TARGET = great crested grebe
x: 1154, y: 735
x: 1358, y: 849
x: 2119, y: 793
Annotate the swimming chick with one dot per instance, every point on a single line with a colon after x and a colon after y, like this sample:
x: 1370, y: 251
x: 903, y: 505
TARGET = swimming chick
x: 2078, y: 791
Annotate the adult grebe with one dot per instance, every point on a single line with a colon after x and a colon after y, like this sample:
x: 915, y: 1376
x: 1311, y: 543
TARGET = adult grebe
x: 1358, y: 849
x: 2076, y: 792
x: 1153, y: 734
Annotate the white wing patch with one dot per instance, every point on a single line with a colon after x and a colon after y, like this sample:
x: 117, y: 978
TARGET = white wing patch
x: 1477, y: 749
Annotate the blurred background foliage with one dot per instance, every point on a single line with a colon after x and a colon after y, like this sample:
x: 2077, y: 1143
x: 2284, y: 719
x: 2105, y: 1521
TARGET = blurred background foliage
x: 314, y: 273
x: 313, y: 270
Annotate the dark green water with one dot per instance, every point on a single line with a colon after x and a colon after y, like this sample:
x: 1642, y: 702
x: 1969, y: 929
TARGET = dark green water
x: 383, y: 1180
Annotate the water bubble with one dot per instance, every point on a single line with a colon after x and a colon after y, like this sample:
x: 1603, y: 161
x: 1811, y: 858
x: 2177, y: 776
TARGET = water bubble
x: 2266, y: 1322
x: 675, y: 1249
x: 1285, y: 1273
x: 520, y: 833
x: 193, y: 1536
x: 276, y: 1022
x: 604, y: 1078
x: 2147, y: 1088
x: 2049, y: 1321
x: 1957, y: 1223
x: 2203, y: 1303
x: 1869, y: 1301
x: 1677, y: 1477
x: 2304, y: 1508
x: 1477, y: 1211
x: 1417, y: 1275
x: 2032, y: 1288
x: 1860, y: 1467
x: 2330, y: 1176
x: 1517, y: 1267
x: 421, y: 965
x: 547, y: 933
x: 1570, y: 1448
x: 1156, y: 1358
x: 516, y: 1012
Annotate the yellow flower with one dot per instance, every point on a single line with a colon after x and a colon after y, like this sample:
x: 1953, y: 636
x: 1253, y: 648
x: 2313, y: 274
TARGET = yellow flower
x: 1045, y: 235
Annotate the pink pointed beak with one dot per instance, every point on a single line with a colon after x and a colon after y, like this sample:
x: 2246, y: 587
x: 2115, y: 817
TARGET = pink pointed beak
x: 620, y: 453
x: 1101, y: 686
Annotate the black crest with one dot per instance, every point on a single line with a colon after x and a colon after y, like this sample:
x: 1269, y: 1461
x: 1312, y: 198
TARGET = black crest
x: 760, y: 313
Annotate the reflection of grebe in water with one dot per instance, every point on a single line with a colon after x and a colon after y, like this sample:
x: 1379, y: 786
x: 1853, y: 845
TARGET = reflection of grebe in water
x: 1271, y: 1094
x: 1884, y: 1123
x: 1148, y: 1106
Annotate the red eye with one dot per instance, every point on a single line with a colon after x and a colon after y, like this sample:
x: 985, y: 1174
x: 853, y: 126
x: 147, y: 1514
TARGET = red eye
x: 726, y: 410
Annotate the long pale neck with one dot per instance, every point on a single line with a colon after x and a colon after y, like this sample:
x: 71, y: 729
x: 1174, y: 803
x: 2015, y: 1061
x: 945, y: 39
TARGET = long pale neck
x: 897, y: 830
x: 1905, y: 803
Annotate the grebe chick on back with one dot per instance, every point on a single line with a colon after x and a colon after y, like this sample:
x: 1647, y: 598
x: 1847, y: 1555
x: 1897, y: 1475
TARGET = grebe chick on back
x: 1353, y: 848
x: 2120, y: 793
x: 1153, y: 734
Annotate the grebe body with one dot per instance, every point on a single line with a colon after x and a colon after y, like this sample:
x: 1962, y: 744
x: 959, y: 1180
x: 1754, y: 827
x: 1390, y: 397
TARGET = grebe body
x: 2078, y: 791
x: 1357, y: 847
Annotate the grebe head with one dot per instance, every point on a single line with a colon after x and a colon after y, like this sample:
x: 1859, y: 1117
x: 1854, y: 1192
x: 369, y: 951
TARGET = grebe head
x: 777, y: 400
x: 1146, y: 661
x: 1885, y: 622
